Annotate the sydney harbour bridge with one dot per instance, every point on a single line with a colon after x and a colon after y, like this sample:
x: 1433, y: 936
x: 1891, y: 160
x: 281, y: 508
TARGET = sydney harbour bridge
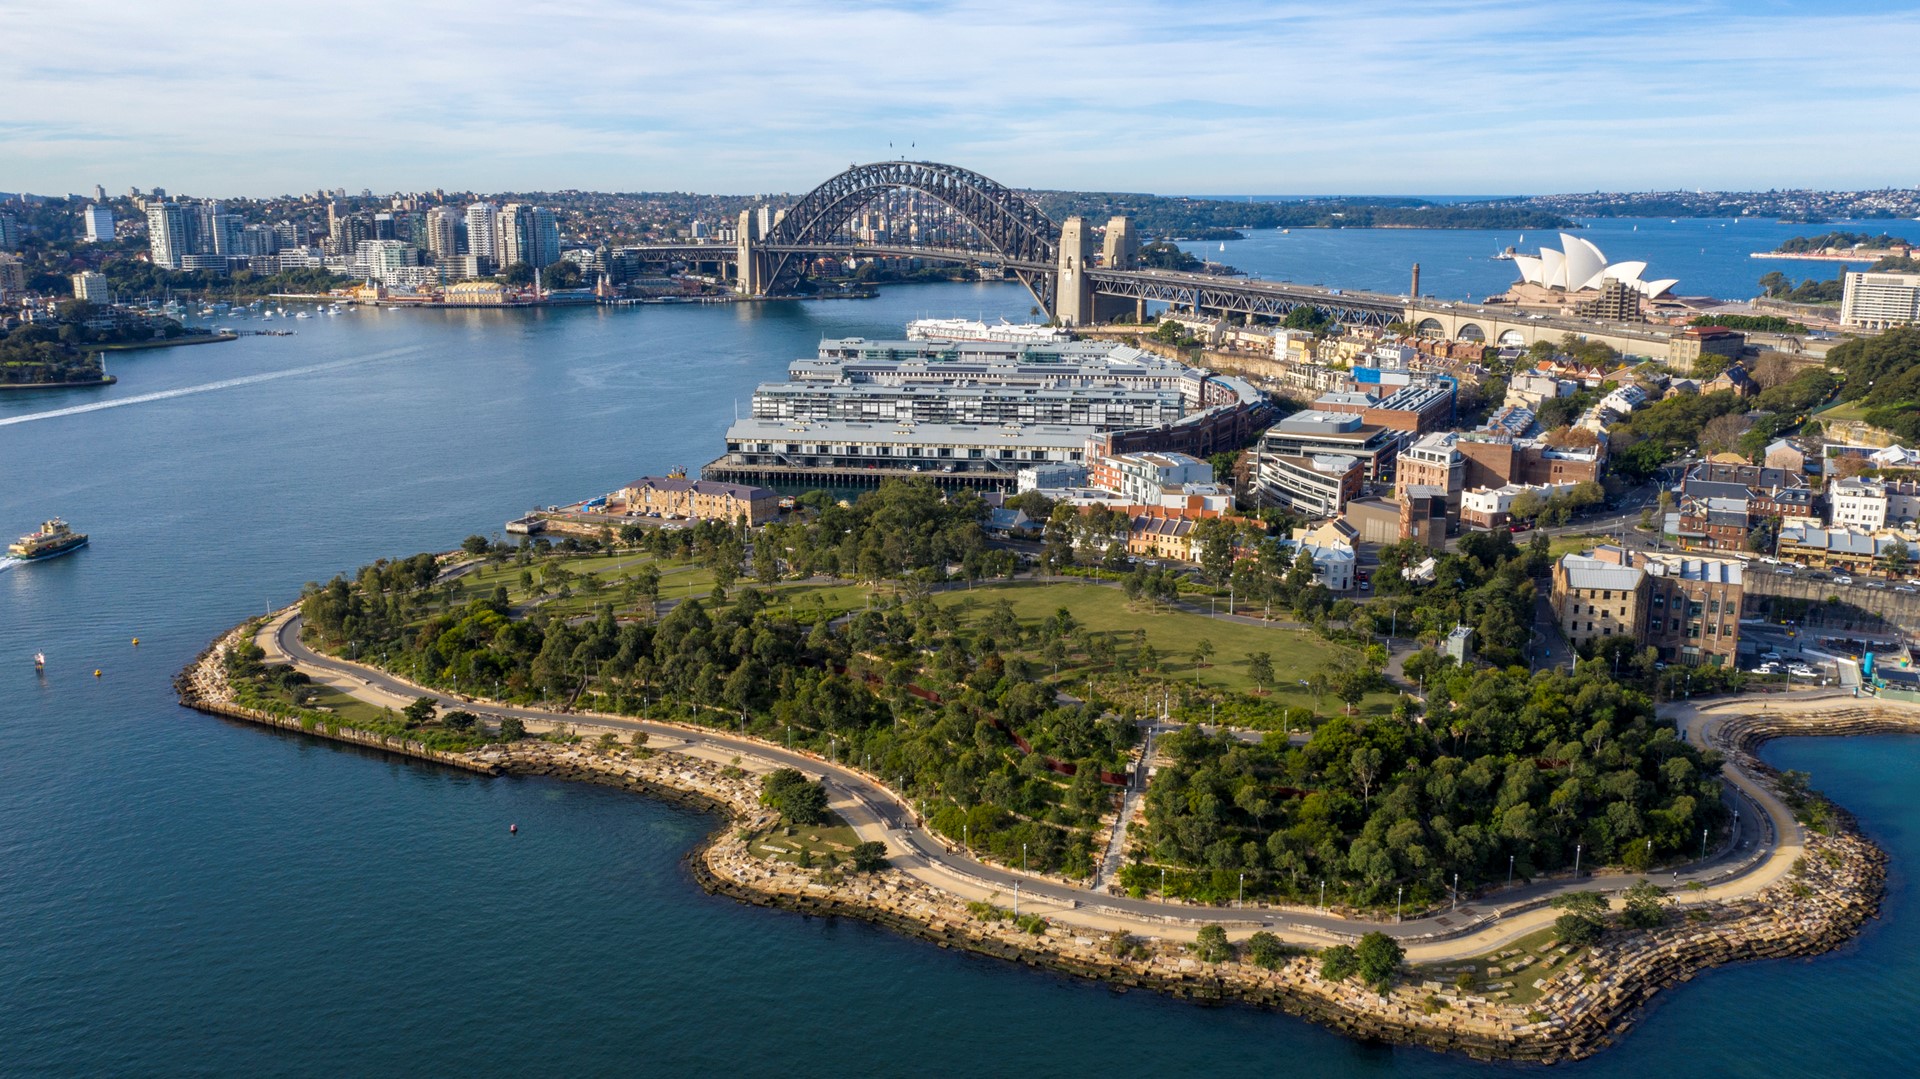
x: 1055, y: 261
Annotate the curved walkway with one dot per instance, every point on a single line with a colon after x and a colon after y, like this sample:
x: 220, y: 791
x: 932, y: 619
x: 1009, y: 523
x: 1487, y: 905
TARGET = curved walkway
x: 1762, y: 848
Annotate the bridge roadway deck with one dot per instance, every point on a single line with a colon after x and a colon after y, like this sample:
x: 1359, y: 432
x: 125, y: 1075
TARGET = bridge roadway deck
x: 1760, y: 851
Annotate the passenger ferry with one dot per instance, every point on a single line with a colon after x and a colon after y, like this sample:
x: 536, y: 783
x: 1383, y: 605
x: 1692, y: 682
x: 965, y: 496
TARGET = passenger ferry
x: 52, y: 540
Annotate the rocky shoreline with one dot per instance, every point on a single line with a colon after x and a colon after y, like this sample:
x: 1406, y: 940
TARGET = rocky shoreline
x: 1583, y: 1006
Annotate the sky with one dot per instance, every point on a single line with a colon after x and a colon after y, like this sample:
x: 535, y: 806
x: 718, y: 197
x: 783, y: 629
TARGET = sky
x: 210, y: 97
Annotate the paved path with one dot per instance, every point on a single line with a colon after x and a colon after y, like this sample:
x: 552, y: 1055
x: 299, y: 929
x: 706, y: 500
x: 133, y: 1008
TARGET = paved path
x: 1762, y: 848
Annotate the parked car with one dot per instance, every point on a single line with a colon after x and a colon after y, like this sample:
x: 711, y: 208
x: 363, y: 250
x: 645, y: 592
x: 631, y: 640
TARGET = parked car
x: 1765, y: 668
x: 1843, y: 579
x: 1907, y: 588
x: 1771, y: 657
x: 1801, y: 670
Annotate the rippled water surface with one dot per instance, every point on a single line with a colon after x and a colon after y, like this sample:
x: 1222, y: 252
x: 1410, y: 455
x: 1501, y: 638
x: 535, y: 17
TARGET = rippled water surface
x: 180, y: 894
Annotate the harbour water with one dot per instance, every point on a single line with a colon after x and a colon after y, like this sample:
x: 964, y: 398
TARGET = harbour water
x: 1710, y: 257
x: 181, y: 894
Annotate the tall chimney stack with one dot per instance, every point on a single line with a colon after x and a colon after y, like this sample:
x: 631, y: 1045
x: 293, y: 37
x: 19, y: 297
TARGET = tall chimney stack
x: 1416, y: 281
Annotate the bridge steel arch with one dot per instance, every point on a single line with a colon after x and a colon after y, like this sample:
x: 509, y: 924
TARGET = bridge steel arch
x: 1026, y: 239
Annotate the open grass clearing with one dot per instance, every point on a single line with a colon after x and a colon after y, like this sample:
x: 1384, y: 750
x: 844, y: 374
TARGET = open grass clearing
x: 824, y: 844
x: 1172, y: 633
x: 1507, y: 975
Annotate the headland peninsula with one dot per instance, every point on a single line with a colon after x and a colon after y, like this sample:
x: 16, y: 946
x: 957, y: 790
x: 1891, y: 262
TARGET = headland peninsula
x: 1019, y: 764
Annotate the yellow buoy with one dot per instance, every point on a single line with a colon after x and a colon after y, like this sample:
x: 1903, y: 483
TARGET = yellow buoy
x: 96, y: 672
x: 136, y: 642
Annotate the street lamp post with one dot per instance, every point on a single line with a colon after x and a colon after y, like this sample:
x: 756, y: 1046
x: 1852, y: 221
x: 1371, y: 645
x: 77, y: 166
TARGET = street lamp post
x: 1240, y: 900
x: 1576, y: 861
x: 1509, y: 870
x: 1703, y: 844
x: 1323, y: 894
x: 1456, y: 889
x: 1163, y: 882
x: 1398, y: 891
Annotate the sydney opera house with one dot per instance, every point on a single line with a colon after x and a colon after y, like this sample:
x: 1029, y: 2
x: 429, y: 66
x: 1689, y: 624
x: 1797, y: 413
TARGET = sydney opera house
x: 1579, y: 275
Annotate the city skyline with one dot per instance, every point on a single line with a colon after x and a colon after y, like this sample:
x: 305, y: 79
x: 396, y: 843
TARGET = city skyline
x: 1492, y: 96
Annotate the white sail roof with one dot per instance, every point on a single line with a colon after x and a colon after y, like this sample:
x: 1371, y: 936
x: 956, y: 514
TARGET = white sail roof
x: 1578, y: 264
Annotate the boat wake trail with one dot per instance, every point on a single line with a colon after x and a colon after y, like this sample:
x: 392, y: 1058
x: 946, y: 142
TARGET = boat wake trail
x: 8, y: 563
x: 223, y: 384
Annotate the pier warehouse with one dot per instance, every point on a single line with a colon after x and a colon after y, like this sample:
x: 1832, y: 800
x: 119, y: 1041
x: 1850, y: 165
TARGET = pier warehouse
x: 973, y: 413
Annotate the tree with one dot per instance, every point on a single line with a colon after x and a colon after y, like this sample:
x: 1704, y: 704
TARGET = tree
x: 1723, y: 433
x: 1584, y: 920
x: 1266, y: 950
x: 561, y: 274
x: 512, y: 730
x: 518, y: 273
x: 1366, y: 763
x: 420, y: 711
x: 796, y: 798
x: 1260, y: 668
x: 1378, y: 957
x: 1896, y: 557
x: 459, y: 720
x: 1646, y: 905
x: 1211, y: 944
x: 475, y: 544
x: 1339, y: 963
x: 869, y: 857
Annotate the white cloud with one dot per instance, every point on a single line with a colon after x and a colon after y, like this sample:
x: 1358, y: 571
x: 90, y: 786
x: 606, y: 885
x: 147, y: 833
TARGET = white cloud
x: 1400, y: 96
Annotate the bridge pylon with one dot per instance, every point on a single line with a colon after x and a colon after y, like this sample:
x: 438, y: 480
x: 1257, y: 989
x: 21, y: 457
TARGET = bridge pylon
x: 750, y: 262
x: 1073, y: 290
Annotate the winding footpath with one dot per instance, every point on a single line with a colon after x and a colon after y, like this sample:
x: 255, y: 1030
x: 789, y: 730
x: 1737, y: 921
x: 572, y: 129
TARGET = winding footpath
x: 1773, y: 890
x: 1762, y: 850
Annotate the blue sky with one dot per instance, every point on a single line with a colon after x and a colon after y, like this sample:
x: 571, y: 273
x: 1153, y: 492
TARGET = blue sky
x: 1140, y: 95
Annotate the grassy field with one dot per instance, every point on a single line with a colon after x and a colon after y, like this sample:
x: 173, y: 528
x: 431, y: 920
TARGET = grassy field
x: 1173, y: 634
x: 1508, y: 974
x: 823, y: 844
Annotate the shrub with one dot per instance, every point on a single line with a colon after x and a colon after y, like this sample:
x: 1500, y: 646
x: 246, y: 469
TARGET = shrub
x: 1378, y: 956
x: 512, y: 730
x: 869, y: 857
x: 796, y: 798
x: 1338, y: 963
x: 1211, y: 944
x: 1266, y: 950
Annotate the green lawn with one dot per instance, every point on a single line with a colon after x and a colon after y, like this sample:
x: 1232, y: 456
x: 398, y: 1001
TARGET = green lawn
x: 1523, y: 962
x: 1172, y: 633
x: 824, y: 844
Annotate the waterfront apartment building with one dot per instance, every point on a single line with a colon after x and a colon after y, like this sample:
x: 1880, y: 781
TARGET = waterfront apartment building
x: 92, y: 287
x: 973, y: 413
x: 528, y: 234
x: 443, y: 233
x: 483, y: 220
x: 1876, y: 301
x: 167, y: 239
x: 675, y: 497
x: 9, y: 232
x: 99, y: 222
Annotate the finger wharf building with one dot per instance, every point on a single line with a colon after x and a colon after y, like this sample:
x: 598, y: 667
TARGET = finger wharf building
x: 974, y: 413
